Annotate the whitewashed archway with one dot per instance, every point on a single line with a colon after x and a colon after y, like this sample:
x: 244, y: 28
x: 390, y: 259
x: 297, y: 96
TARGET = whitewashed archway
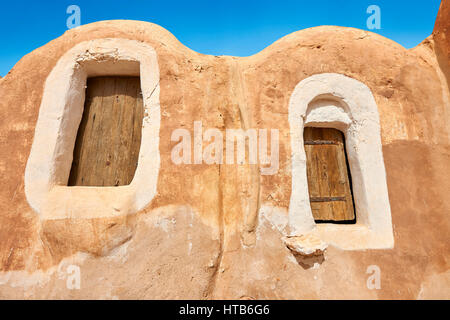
x: 336, y: 101
x: 60, y: 113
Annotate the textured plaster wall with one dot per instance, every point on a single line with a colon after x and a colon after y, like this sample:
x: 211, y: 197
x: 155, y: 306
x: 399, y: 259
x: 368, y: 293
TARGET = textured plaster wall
x: 215, y: 231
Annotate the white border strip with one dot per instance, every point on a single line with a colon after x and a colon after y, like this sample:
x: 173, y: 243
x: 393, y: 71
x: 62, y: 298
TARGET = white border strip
x: 60, y: 113
x: 361, y: 127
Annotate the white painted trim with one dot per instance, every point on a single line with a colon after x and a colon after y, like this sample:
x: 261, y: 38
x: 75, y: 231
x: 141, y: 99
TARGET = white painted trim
x: 60, y: 113
x: 336, y: 101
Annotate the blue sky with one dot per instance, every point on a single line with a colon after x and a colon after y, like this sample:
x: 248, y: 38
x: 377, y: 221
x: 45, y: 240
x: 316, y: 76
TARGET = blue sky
x: 238, y: 28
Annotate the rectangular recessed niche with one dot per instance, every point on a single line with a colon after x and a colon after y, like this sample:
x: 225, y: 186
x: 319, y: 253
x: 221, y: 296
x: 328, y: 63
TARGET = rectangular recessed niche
x: 109, y: 136
x: 329, y: 179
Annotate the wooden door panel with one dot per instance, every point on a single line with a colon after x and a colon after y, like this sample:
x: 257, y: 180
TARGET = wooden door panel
x: 328, y: 175
x: 109, y: 137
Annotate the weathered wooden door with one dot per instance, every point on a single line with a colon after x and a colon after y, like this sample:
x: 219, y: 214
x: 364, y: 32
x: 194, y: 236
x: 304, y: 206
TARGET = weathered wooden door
x: 328, y: 176
x: 109, y: 137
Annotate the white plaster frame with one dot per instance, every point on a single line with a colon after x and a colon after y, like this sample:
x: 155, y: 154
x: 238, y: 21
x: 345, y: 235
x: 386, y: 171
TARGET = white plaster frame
x: 60, y: 113
x: 336, y: 101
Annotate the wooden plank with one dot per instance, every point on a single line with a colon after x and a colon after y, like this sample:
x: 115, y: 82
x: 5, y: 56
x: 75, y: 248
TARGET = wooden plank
x: 327, y: 171
x: 320, y: 142
x: 327, y: 199
x: 344, y: 186
x: 108, y: 142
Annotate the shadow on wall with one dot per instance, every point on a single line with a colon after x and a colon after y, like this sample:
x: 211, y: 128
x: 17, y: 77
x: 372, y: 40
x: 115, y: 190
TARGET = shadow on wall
x: 308, y: 262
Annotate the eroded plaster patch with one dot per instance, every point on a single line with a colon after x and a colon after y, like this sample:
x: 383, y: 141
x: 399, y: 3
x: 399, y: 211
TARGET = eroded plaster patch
x: 31, y: 282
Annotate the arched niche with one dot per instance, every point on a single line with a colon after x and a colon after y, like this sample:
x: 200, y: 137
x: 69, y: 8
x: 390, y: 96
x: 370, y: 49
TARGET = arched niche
x: 336, y: 101
x: 60, y: 113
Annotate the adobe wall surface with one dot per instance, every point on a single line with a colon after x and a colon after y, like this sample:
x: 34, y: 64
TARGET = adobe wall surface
x: 441, y: 36
x: 215, y: 231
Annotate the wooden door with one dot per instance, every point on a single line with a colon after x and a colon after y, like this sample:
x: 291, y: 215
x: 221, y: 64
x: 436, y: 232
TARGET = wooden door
x: 329, y: 181
x: 109, y: 137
